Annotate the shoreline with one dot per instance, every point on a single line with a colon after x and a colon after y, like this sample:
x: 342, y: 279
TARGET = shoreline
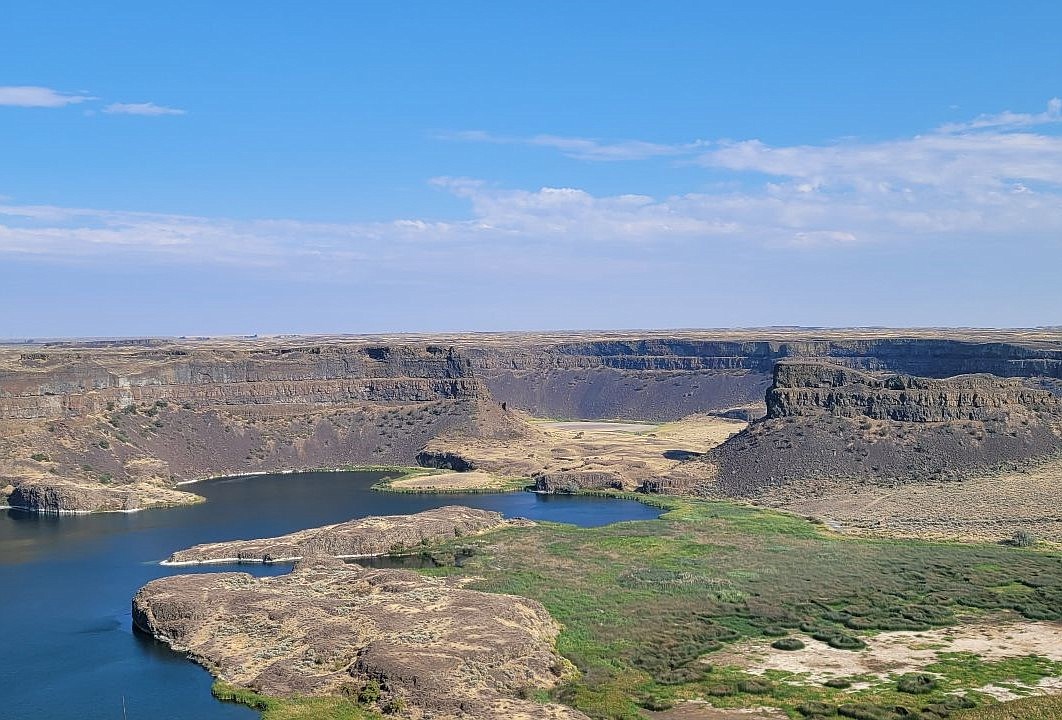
x: 404, y: 469
x: 275, y: 561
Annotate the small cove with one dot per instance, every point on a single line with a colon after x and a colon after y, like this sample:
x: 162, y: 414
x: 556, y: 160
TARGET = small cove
x: 68, y: 649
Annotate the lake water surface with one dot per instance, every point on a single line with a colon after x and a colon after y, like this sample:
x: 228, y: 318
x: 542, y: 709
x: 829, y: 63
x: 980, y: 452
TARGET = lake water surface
x: 67, y: 649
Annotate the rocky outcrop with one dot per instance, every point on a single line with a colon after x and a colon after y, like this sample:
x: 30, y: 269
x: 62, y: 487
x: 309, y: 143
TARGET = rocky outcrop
x: 827, y: 423
x: 363, y: 537
x: 445, y: 460
x: 813, y: 388
x: 330, y: 628
x: 58, y: 497
x: 576, y: 481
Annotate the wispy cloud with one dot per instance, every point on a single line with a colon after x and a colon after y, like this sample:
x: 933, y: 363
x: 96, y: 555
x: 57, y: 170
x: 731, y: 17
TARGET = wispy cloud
x: 952, y: 190
x: 144, y: 108
x: 33, y: 96
x: 583, y: 148
x: 38, y: 97
x: 1011, y: 120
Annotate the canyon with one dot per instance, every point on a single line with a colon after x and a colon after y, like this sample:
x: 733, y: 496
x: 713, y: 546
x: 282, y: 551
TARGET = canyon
x: 119, y: 425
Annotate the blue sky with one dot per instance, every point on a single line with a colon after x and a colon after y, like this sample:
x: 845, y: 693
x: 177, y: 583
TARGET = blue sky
x: 239, y: 167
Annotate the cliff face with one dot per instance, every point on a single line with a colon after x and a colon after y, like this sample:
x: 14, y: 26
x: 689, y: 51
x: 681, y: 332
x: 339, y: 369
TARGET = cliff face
x: 51, y: 384
x: 665, y: 378
x: 115, y: 427
x: 121, y: 419
x: 828, y: 424
x: 813, y: 388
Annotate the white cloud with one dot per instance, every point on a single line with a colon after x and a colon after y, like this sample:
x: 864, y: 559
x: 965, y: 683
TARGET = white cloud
x: 583, y: 148
x: 144, y: 108
x: 1011, y: 120
x: 951, y: 190
x: 40, y: 97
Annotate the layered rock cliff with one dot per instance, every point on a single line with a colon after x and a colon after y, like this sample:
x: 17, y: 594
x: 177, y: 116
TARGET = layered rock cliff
x: 117, y: 427
x: 666, y: 376
x: 828, y: 424
x: 114, y: 425
x: 802, y: 388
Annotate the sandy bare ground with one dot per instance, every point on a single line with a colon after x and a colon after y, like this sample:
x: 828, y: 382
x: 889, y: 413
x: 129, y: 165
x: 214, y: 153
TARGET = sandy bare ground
x: 892, y: 653
x: 594, y: 426
x: 475, y: 480
x: 987, y: 508
x: 632, y: 451
x: 694, y: 710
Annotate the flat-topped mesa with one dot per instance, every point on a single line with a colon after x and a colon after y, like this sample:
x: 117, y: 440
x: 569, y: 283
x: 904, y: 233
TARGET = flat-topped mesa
x: 363, y: 537
x: 813, y: 388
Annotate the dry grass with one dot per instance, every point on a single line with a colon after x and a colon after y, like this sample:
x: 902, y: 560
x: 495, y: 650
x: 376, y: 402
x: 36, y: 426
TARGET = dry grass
x: 985, y: 508
x: 650, y: 451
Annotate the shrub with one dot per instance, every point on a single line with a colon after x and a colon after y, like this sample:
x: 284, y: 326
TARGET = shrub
x: 816, y: 709
x: 788, y: 643
x: 370, y: 692
x: 755, y: 686
x: 838, y: 683
x: 395, y: 705
x: 722, y: 690
x: 839, y: 640
x: 1023, y: 538
x: 865, y: 712
x: 39, y: 457
x: 104, y: 443
x: 655, y: 703
x: 916, y: 684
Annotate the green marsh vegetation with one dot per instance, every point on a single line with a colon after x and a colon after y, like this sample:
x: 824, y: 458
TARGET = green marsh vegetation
x: 644, y: 606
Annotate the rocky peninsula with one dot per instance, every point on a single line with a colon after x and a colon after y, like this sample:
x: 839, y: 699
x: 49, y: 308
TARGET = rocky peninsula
x: 364, y: 537
x: 406, y: 643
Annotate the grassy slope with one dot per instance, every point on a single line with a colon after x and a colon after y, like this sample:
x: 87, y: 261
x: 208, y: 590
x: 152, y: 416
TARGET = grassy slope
x: 642, y: 601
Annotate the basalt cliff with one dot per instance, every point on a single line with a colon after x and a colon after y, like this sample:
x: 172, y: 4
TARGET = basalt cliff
x: 116, y: 425
x: 826, y: 423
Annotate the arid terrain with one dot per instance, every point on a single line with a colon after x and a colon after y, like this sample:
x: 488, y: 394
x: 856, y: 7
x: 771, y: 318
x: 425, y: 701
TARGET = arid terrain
x: 117, y: 425
x: 876, y: 436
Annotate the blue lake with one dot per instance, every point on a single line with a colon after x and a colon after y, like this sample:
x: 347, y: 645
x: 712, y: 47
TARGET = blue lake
x: 67, y: 649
